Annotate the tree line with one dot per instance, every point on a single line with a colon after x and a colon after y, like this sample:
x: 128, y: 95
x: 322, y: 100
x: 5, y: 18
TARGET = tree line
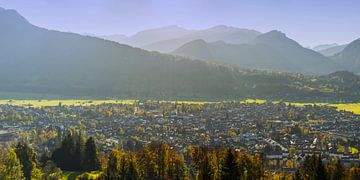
x: 154, y: 161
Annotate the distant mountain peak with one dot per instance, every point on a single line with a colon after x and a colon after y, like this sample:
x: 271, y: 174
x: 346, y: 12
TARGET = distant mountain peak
x: 222, y: 27
x: 196, y: 49
x: 277, y: 38
x: 172, y: 27
x: 11, y: 17
x: 275, y: 33
x: 161, y: 29
x: 225, y: 28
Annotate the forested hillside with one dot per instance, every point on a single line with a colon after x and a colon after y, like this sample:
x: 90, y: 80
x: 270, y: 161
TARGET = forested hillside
x: 37, y: 60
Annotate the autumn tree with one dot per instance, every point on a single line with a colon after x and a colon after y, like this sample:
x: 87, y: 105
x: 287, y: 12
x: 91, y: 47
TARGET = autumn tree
x: 10, y: 167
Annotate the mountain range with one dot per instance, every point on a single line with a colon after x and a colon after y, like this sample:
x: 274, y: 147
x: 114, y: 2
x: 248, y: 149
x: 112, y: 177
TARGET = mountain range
x: 272, y: 50
x: 242, y: 47
x: 38, y: 60
x: 169, y: 38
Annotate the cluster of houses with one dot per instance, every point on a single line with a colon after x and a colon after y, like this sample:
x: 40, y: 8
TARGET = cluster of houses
x: 281, y: 133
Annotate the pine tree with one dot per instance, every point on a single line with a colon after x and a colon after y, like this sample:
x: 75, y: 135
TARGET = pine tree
x: 113, y: 168
x: 91, y: 159
x: 205, y: 169
x: 230, y: 169
x: 338, y: 172
x: 298, y: 175
x: 130, y: 171
x: 45, y: 157
x: 78, y: 155
x: 63, y: 156
x: 320, y: 172
x: 27, y: 159
x: 11, y: 168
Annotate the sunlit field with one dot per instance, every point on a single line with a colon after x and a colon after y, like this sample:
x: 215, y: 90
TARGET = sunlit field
x: 351, y: 107
x: 40, y: 103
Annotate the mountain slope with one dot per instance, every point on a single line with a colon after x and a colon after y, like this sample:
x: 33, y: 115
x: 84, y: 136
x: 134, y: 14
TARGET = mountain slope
x: 37, y: 60
x: 197, y: 49
x: 331, y: 51
x: 324, y: 46
x: 217, y: 33
x: 150, y: 36
x: 253, y: 56
x: 308, y: 61
x: 272, y: 51
x: 350, y: 56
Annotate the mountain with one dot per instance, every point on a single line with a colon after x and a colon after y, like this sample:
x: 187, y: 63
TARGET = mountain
x: 307, y: 60
x: 38, y: 60
x: 324, y: 46
x: 350, y: 56
x: 197, y: 49
x: 332, y: 50
x: 115, y: 37
x: 150, y: 36
x: 218, y: 33
x: 253, y: 56
x: 271, y: 51
x: 35, y: 60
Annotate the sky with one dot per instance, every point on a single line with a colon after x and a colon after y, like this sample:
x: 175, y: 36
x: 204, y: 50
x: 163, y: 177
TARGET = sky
x: 310, y: 22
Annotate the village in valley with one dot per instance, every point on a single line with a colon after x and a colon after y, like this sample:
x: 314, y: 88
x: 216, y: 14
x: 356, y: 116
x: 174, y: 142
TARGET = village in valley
x: 281, y: 133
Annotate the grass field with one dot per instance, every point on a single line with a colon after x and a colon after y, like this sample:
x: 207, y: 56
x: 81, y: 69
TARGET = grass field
x: 351, y: 107
x: 40, y: 103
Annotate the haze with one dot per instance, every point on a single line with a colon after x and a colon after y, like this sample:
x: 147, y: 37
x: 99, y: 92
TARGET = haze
x: 310, y: 22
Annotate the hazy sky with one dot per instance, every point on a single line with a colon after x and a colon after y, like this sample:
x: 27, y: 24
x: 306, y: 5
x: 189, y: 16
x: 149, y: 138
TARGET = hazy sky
x: 310, y: 22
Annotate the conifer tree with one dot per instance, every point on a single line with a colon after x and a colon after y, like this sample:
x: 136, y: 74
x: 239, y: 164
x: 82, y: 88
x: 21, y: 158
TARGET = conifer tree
x: 27, y: 159
x: 229, y: 168
x: 338, y: 172
x: 91, y: 160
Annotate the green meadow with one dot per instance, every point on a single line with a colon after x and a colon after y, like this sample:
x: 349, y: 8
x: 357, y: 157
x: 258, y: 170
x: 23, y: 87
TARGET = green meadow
x: 351, y: 107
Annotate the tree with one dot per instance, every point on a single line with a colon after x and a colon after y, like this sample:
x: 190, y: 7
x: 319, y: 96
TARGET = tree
x: 11, y: 167
x: 298, y: 175
x: 36, y: 173
x: 313, y: 168
x: 70, y: 154
x: 320, y: 172
x: 51, y: 172
x: 91, y: 160
x: 64, y: 155
x: 79, y: 151
x: 205, y: 169
x: 229, y: 168
x: 338, y: 172
x: 131, y: 170
x: 113, y: 169
x: 27, y: 158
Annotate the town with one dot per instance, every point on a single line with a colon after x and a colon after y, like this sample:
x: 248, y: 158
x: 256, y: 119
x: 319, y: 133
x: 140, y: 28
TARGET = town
x: 282, y: 133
